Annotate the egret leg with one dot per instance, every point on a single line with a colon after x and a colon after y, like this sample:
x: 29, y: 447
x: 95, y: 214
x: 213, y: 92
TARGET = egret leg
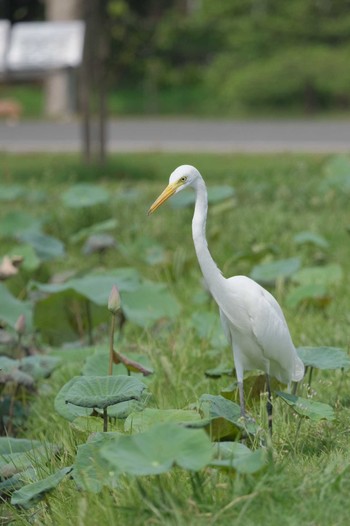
x: 241, y: 399
x: 269, y: 404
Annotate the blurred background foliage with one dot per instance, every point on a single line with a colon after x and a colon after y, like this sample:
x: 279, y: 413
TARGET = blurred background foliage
x: 223, y: 58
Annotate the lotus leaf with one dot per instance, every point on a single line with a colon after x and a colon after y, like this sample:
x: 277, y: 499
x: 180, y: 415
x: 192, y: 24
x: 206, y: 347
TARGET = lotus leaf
x: 208, y: 327
x: 91, y: 471
x: 11, y: 192
x: 68, y: 411
x: 9, y: 445
x: 235, y: 455
x: 149, y: 303
x: 312, y: 294
x: 158, y: 449
x: 337, y: 171
x: 17, y: 222
x: 103, y: 391
x: 18, y: 480
x: 84, y: 195
x: 268, y: 273
x: 308, y: 408
x: 324, y: 357
x: 95, y: 287
x: 327, y: 275
x: 215, y: 195
x: 46, y: 247
x: 16, y: 461
x: 96, y: 228
x: 143, y: 420
x: 98, y: 243
x: 222, y: 417
x: 11, y: 308
x: 30, y: 494
x: 304, y: 238
x: 39, y: 366
x: 30, y: 259
x: 224, y: 369
x: 7, y: 364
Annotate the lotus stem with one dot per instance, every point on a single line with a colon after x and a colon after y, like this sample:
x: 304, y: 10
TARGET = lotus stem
x: 111, y: 345
x: 89, y: 322
x: 310, y: 377
x: 105, y: 420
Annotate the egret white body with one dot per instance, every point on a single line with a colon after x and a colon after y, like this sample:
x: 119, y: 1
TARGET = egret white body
x: 252, y: 319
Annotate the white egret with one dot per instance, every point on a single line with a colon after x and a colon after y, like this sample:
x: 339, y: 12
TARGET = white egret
x: 252, y: 320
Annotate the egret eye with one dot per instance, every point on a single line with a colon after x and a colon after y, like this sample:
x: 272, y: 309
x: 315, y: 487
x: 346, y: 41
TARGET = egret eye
x: 183, y: 179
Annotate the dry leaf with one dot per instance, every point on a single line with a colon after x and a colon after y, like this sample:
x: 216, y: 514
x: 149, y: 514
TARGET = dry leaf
x: 131, y: 365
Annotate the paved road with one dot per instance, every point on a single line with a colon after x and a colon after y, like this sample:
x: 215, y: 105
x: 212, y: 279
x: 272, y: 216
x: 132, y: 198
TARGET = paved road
x: 183, y: 135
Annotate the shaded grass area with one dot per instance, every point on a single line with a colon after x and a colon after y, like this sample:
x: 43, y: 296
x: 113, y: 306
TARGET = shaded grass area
x: 308, y: 480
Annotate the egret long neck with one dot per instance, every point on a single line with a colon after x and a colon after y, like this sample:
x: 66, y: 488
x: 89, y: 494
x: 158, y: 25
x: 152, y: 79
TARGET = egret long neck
x: 211, y: 273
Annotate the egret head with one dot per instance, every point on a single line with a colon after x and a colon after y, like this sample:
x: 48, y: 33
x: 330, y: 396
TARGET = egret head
x: 184, y: 176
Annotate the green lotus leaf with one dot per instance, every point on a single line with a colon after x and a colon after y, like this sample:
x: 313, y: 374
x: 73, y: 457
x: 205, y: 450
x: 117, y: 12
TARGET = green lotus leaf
x: 11, y: 192
x: 83, y: 195
x: 222, y: 417
x: 30, y: 259
x: 158, y: 449
x: 11, y: 308
x: 9, y: 445
x: 103, y: 391
x: 143, y: 420
x: 30, y: 494
x: 98, y: 243
x: 224, y: 369
x: 17, y: 377
x: 16, y: 461
x: 328, y: 275
x: 7, y: 365
x: 96, y: 228
x: 308, y: 408
x: 149, y: 303
x: 337, y: 171
x: 17, y: 222
x: 68, y: 411
x: 312, y: 294
x: 324, y: 357
x: 208, y: 327
x: 268, y: 273
x: 91, y: 471
x: 215, y: 195
x: 18, y: 480
x: 95, y: 287
x: 310, y: 238
x: 39, y: 366
x: 46, y: 247
x: 237, y: 456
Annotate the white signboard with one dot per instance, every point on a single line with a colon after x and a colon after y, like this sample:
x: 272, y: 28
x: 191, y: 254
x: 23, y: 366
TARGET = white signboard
x: 38, y: 46
x: 4, y: 40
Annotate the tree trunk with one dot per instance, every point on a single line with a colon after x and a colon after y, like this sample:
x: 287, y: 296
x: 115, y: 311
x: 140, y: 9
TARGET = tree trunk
x: 59, y: 85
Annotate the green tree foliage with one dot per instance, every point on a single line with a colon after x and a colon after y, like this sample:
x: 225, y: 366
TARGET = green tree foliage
x: 245, y: 54
x: 278, y: 53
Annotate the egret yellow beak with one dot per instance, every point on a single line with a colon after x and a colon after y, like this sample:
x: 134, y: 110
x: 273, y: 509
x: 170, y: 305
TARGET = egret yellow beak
x: 168, y: 192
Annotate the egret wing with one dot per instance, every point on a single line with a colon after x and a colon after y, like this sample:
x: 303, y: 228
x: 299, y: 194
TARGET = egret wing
x: 272, y: 334
x: 253, y: 310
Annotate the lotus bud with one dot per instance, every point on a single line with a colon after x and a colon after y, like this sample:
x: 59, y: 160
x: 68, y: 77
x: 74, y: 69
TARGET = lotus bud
x: 114, y: 300
x: 20, y: 325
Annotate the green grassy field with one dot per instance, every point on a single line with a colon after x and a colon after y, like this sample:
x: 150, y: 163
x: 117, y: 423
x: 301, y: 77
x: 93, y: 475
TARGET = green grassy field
x: 306, y: 478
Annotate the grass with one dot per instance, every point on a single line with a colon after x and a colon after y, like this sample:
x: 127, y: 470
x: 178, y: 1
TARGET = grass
x: 308, y: 479
x: 185, y: 101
